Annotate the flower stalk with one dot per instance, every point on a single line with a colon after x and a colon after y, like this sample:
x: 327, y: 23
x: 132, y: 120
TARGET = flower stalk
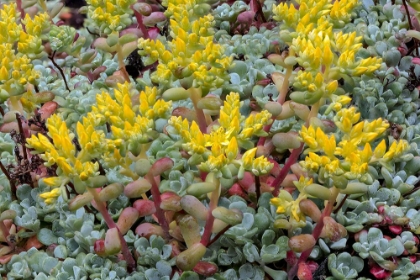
x: 214, y: 199
x: 316, y: 231
x: 101, y: 206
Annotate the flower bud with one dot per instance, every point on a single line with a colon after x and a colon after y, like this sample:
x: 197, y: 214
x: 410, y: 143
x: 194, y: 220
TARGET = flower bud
x: 310, y: 209
x: 187, y: 259
x: 80, y: 200
x: 229, y: 216
x: 210, y: 103
x: 301, y: 243
x: 142, y: 167
x: 318, y: 191
x: 274, y: 108
x: 161, y: 165
x: 285, y: 141
x: 170, y: 202
x: 147, y: 229
x: 205, y: 268
x: 111, y: 191
x: 333, y: 230
x: 199, y: 189
x: 137, y: 188
x: 194, y: 207
x: 190, y: 229
x: 175, y: 94
x: 127, y: 219
x: 112, y: 242
x: 144, y: 207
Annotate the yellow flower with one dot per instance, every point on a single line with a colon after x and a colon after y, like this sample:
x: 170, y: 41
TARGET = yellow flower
x: 192, y: 51
x: 53, y: 181
x: 396, y: 149
x: 287, y: 205
x: 51, y: 196
x: 110, y: 15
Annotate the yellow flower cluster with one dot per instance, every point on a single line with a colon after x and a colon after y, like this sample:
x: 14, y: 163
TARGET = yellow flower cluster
x: 290, y: 207
x: 129, y: 125
x: 326, y: 55
x: 62, y: 152
x: 221, y: 146
x: 110, y: 15
x: 192, y: 52
x: 16, y: 69
x: 351, y: 156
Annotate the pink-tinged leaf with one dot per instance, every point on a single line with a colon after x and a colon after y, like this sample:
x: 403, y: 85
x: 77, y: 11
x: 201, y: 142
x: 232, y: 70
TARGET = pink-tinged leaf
x: 379, y: 273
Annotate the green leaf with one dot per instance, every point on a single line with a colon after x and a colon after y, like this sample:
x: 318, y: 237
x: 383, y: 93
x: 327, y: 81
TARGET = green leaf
x: 46, y: 237
x: 251, y: 252
x: 268, y: 237
x: 189, y: 275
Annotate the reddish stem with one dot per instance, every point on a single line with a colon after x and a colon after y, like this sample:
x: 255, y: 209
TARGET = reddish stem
x: 205, y: 239
x: 266, y: 128
x: 101, y: 206
x: 140, y: 24
x: 285, y: 170
x: 12, y: 184
x: 22, y: 12
x: 315, y: 233
x: 157, y: 200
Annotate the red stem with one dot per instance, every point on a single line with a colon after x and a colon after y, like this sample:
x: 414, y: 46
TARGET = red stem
x: 285, y: 170
x: 316, y: 234
x: 22, y: 12
x: 157, y: 200
x: 205, y: 239
x: 101, y: 206
x: 266, y: 128
x: 140, y: 24
x: 12, y: 183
